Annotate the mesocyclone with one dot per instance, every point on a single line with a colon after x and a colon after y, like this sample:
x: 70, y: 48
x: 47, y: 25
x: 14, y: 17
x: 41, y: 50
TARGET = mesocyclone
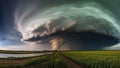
x: 75, y: 23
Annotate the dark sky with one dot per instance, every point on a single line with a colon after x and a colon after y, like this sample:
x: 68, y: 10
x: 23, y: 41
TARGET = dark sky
x: 38, y: 22
x: 8, y: 34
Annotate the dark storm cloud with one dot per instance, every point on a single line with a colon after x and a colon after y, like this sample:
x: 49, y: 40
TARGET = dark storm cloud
x: 82, y: 24
x: 84, y: 40
x: 74, y: 38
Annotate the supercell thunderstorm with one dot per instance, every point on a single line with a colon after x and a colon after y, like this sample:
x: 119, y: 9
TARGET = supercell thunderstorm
x: 76, y: 25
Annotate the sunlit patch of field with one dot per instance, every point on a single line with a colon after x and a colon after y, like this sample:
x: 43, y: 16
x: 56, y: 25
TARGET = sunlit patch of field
x: 95, y: 59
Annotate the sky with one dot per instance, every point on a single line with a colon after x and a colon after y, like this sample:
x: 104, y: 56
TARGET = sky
x: 59, y: 24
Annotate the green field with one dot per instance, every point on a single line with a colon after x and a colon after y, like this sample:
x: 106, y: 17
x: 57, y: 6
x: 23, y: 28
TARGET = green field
x: 95, y: 59
x: 47, y: 61
x: 85, y: 59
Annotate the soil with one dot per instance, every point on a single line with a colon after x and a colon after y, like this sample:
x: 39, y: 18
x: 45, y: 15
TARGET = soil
x: 70, y: 63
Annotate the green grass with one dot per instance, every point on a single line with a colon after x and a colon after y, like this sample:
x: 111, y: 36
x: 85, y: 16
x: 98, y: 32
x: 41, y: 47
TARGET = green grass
x: 87, y: 59
x: 95, y: 59
x: 48, y: 61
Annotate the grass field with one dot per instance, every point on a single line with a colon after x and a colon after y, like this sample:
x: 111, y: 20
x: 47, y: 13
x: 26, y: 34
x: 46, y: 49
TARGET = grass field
x: 85, y: 59
x: 47, y: 61
x: 95, y: 59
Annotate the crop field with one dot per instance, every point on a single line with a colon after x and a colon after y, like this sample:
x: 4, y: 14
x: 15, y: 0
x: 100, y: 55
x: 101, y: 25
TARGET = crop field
x: 47, y: 61
x: 66, y: 59
x: 95, y: 59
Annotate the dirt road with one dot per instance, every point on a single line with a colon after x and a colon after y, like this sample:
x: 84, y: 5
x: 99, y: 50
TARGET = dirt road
x: 70, y: 63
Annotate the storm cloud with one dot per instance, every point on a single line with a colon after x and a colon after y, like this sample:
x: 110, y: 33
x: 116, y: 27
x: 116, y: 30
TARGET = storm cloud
x: 75, y: 24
